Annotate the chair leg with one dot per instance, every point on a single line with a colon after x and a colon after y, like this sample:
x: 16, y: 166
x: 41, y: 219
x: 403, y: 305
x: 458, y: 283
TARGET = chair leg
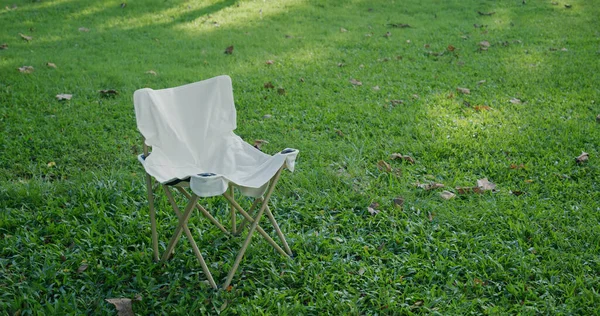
x: 244, y: 220
x: 253, y: 227
x: 233, y: 225
x: 152, y: 216
x: 204, y: 211
x: 278, y: 230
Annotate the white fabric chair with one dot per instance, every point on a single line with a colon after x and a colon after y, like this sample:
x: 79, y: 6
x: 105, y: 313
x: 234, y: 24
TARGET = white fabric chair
x: 190, y: 129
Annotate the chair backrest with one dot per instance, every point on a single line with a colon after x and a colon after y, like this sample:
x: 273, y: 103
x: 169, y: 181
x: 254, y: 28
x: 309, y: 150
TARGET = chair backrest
x: 187, y: 120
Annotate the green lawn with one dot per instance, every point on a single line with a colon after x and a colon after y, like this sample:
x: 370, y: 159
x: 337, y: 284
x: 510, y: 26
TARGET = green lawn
x: 74, y: 224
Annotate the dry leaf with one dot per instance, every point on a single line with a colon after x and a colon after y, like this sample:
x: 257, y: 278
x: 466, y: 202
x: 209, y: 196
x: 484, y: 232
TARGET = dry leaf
x: 281, y: 91
x: 229, y: 50
x: 51, y: 164
x: 13, y: 7
x: 108, y: 93
x: 515, y: 101
x: 430, y: 186
x: 355, y: 82
x: 343, y: 30
x: 339, y: 133
x: 373, y: 208
x: 447, y: 195
x: 361, y: 271
x: 478, y: 26
x: 598, y: 118
x: 583, y: 157
x: 267, y: 116
x: 51, y: 65
x: 480, y: 82
x: 25, y: 37
x: 259, y: 142
x: 399, y: 25
x: 477, y: 281
x: 151, y: 72
x: 395, y: 156
x: 84, y: 29
x: 451, y: 48
x: 384, y: 166
x: 269, y: 85
x: 485, y: 185
x: 387, y: 34
x: 376, y: 88
x: 82, y: 268
x: 463, y: 90
x: 396, y: 102
x: 564, y: 49
x: 26, y: 69
x: 398, y: 201
x: 269, y: 62
x: 229, y: 288
x: 486, y: 13
x: 415, y: 96
x: 482, y: 108
x: 568, y: 6
x: 123, y: 306
x: 61, y: 97
x: 519, y: 166
x: 484, y: 44
x: 123, y: 5
x: 517, y: 193
x: 4, y: 46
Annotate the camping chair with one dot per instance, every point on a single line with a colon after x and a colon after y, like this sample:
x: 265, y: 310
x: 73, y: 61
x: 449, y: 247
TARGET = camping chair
x: 194, y: 151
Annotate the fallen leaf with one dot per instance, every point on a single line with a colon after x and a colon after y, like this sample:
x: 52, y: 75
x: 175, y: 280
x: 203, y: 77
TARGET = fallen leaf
x: 398, y: 201
x: 339, y: 133
x: 583, y: 157
x: 25, y: 37
x: 564, y: 49
x: 519, y: 166
x: 568, y: 6
x: 13, y: 7
x: 515, y: 101
x: 343, y: 30
x: 229, y: 288
x: 301, y: 79
x: 376, y: 88
x: 387, y: 34
x: 598, y: 118
x: 463, y: 90
x: 528, y: 181
x: 384, y: 166
x: 430, y: 186
x: 123, y: 5
x: 51, y: 164
x: 418, y: 303
x: 229, y: 50
x: 415, y: 96
x: 426, y: 45
x: 478, y: 26
x: 267, y: 116
x: 138, y: 297
x: 485, y: 44
x: 451, y: 48
x: 485, y: 185
x: 480, y: 82
x: 26, y: 69
x: 482, y: 108
x: 123, y: 306
x: 259, y: 142
x: 486, y: 13
x: 361, y: 271
x: 51, y: 65
x: 373, y: 208
x: 4, y: 46
x: 61, y: 97
x: 82, y: 268
x: 554, y: 3
x: 408, y: 42
x: 477, y: 281
x: 399, y: 25
x: 396, y: 102
x: 517, y: 193
x: 269, y: 62
x: 281, y: 91
x: 395, y: 156
x: 269, y: 85
x: 108, y: 93
x: 341, y: 64
x: 355, y: 82
x: 447, y: 195
x: 84, y: 29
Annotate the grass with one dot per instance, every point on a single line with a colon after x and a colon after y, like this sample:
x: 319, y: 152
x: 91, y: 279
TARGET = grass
x: 72, y: 193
